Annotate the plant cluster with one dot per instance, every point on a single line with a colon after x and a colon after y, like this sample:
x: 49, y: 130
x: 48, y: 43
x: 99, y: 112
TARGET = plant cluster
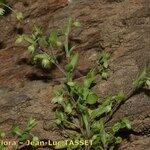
x: 42, y: 48
x: 82, y: 117
x: 19, y: 135
x: 79, y: 112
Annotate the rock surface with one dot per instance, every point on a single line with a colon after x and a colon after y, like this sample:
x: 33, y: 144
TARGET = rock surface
x: 121, y: 27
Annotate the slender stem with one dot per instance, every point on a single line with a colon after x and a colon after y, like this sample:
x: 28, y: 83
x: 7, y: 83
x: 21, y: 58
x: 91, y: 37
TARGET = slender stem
x: 56, y: 62
x: 59, y: 67
x: 67, y: 46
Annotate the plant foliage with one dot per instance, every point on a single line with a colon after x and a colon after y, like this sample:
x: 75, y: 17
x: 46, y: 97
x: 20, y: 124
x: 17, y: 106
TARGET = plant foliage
x: 20, y: 135
x: 43, y: 48
x: 78, y: 109
x: 103, y: 63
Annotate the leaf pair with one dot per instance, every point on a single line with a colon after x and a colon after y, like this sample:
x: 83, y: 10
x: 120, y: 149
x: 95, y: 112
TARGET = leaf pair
x: 45, y: 60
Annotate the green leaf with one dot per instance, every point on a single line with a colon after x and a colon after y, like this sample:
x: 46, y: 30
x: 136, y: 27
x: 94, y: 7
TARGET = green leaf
x: 19, y: 16
x: 31, y: 49
x: 141, y: 79
x: 105, y: 64
x: 68, y: 108
x: 127, y: 123
x: 89, y: 78
x: 81, y: 108
x: 2, y: 11
x: 23, y: 137
x: 74, y: 60
x: 16, y: 131
x: 28, y: 39
x: 103, y: 61
x: 85, y: 93
x: 58, y: 121
x: 104, y: 57
x: 46, y: 63
x: 68, y: 27
x: 57, y: 99
x: 119, y: 97
x: 30, y: 125
x: 53, y: 38
x: 95, y: 128
x: 92, y: 98
x: 60, y: 116
x: 124, y: 123
x: 37, y: 31
x: 96, y: 140
x: 118, y: 140
x: 77, y: 24
x: 103, y: 109
x: 103, y: 133
x: 148, y: 83
x: 116, y: 127
x: 40, y: 57
x: 71, y: 84
x: 59, y: 44
x: 19, y: 39
x: 104, y: 75
x: 86, y: 121
x: 70, y: 67
x: 2, y: 134
x: 2, y: 147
